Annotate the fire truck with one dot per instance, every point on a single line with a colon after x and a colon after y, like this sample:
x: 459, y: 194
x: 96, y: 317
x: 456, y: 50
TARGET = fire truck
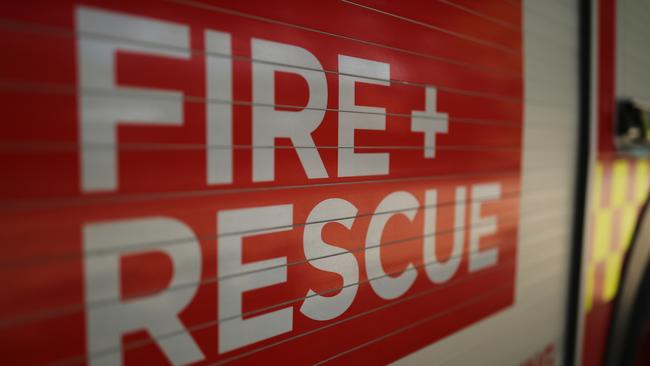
x: 344, y: 182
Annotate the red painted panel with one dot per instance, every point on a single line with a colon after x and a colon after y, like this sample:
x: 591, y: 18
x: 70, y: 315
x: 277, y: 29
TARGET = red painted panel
x: 50, y: 270
x: 606, y: 76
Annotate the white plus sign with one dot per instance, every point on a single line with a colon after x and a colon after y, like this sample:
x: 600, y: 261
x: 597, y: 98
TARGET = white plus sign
x: 429, y: 122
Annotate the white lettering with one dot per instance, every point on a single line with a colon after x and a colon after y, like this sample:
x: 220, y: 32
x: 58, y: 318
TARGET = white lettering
x: 335, y: 259
x: 269, y: 123
x: 430, y: 122
x: 104, y: 245
x: 103, y: 105
x: 388, y: 287
x: 482, y: 226
x: 237, y: 277
x: 350, y: 163
x: 219, y: 107
x: 439, y: 272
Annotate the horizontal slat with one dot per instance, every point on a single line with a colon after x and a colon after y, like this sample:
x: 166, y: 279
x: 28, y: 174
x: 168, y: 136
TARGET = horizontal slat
x: 497, y: 9
x: 488, y: 17
x: 501, y: 115
x: 9, y: 206
x: 410, y: 12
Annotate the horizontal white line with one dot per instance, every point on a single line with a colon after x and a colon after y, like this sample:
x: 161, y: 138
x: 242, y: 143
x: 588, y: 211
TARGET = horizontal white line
x: 41, y: 88
x: 49, y: 147
x: 463, y: 36
x: 493, y: 19
x: 61, y: 201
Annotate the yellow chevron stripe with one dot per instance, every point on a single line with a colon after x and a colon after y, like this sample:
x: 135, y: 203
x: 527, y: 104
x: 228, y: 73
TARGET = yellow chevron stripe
x: 613, y: 267
x: 628, y: 221
x: 642, y: 180
x: 588, y: 300
x: 620, y: 176
x: 602, y: 235
x: 598, y: 186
